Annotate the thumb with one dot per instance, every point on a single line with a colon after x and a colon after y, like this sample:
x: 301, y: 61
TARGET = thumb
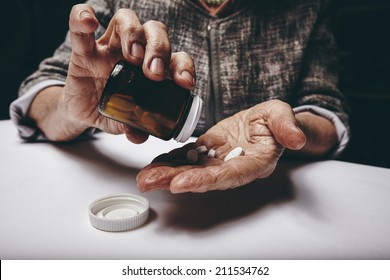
x: 82, y: 25
x: 284, y: 126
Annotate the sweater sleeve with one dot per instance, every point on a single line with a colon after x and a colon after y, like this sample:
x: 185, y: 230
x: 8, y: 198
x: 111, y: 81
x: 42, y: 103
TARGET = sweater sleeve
x: 319, y: 73
x: 51, y: 71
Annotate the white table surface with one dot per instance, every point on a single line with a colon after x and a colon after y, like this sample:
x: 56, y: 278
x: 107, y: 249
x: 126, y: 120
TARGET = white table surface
x: 305, y: 210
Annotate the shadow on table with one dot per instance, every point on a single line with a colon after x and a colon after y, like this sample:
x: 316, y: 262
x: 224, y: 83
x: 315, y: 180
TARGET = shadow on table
x: 86, y: 151
x: 199, y: 212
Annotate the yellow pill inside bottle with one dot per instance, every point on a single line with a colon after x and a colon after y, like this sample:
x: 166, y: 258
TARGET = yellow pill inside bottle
x: 162, y: 109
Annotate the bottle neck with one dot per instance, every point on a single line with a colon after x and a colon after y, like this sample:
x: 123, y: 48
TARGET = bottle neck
x: 192, y: 113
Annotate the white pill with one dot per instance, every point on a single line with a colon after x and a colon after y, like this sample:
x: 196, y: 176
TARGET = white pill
x: 201, y: 149
x: 211, y: 153
x: 234, y: 153
x: 192, y: 156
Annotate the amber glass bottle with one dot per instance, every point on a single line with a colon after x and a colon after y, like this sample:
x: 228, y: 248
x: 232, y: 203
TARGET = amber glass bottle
x: 162, y: 109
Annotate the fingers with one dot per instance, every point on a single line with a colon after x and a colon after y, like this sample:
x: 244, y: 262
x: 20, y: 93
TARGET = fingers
x: 236, y: 172
x: 158, y: 176
x: 82, y: 25
x: 147, y: 45
x: 136, y: 136
x: 125, y: 36
x: 182, y: 70
x: 283, y: 125
x: 185, y: 178
x: 158, y: 51
x: 164, y: 168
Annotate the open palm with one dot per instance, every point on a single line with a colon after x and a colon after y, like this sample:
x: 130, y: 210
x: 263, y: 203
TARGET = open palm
x: 263, y: 132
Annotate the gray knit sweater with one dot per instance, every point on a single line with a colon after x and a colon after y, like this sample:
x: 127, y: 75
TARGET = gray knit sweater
x: 268, y: 49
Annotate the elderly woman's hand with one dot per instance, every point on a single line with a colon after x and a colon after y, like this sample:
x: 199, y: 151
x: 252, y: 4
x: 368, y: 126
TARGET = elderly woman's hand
x: 263, y: 132
x: 63, y: 113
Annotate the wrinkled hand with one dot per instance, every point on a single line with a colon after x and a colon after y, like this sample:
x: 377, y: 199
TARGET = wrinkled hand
x: 92, y: 60
x: 263, y: 131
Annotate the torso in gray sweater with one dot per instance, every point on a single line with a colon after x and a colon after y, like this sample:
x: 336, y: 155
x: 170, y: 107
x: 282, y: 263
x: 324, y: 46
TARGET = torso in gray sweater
x: 266, y: 50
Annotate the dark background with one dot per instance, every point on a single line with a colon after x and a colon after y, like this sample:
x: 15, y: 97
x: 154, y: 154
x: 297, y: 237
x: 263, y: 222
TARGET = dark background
x: 32, y: 29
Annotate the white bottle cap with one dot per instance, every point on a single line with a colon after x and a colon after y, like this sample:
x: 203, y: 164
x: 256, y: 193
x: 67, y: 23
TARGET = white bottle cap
x: 119, y: 212
x: 191, y: 121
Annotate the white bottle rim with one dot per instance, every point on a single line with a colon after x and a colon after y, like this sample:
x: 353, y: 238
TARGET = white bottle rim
x: 191, y: 121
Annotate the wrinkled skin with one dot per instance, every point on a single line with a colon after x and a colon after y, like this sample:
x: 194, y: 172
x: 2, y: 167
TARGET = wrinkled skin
x: 63, y: 113
x: 263, y: 131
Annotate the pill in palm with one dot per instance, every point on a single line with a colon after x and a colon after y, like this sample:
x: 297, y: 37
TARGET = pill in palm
x: 192, y: 156
x: 234, y: 153
x: 211, y: 153
x: 201, y: 149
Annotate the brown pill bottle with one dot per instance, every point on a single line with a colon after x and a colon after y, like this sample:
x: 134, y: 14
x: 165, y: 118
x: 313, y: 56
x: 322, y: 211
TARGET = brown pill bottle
x: 162, y: 109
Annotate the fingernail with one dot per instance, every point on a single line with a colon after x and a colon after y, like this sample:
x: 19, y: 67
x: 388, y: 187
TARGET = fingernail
x: 85, y: 14
x: 299, y: 139
x: 177, y: 188
x: 137, y: 50
x: 157, y: 66
x: 188, y: 77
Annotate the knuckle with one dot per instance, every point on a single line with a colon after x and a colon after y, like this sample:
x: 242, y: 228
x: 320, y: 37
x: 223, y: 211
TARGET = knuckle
x: 183, y: 57
x: 184, y: 60
x: 159, y: 45
x: 157, y: 36
x: 156, y: 24
x: 135, y: 32
x: 129, y: 29
x: 126, y: 23
x: 182, y: 54
x: 123, y: 13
